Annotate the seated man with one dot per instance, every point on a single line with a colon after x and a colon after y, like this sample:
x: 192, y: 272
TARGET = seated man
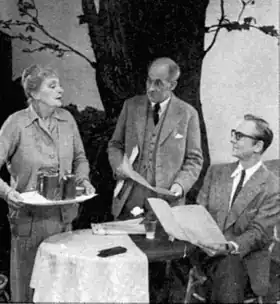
x: 244, y: 200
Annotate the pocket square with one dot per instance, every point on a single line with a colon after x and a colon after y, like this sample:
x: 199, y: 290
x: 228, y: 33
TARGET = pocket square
x: 178, y: 136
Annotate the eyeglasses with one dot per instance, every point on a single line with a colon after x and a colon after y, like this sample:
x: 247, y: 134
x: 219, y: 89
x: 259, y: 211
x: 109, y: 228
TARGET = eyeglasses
x: 238, y: 135
x: 158, y: 83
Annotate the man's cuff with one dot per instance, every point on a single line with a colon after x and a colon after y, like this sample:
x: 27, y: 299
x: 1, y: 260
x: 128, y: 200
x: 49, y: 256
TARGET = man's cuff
x: 236, y: 248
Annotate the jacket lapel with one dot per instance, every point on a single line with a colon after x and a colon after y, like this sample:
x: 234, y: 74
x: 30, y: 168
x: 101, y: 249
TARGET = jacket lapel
x: 224, y: 197
x: 173, y: 116
x: 246, y: 195
x: 141, y: 119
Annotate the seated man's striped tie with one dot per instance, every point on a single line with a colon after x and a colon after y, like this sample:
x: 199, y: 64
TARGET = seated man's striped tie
x: 239, y: 186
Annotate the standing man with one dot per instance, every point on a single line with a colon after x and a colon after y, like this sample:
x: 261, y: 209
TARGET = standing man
x: 244, y: 200
x: 165, y: 131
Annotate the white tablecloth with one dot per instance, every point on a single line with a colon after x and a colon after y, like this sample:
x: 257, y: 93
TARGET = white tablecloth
x: 67, y: 269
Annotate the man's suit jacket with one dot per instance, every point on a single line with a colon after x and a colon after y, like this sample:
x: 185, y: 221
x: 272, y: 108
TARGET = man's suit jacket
x: 251, y: 219
x: 178, y: 153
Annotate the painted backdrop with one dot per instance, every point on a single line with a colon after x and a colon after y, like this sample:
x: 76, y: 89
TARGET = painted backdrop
x: 240, y: 74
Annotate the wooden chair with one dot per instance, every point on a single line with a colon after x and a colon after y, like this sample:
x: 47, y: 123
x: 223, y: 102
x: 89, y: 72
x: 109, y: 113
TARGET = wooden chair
x: 196, y: 279
x: 3, y: 293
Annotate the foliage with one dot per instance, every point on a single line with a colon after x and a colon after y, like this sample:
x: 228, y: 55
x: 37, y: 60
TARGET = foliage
x: 246, y: 24
x: 96, y: 130
x: 30, y: 22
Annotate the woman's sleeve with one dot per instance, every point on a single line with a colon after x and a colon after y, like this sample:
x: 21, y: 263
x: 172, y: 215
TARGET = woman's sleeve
x: 9, y: 137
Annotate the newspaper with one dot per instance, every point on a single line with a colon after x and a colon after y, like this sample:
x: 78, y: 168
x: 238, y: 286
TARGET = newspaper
x: 133, y: 226
x: 192, y: 223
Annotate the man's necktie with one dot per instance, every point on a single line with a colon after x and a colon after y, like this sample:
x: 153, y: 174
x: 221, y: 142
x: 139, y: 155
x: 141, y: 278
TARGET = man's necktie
x: 156, y: 112
x: 239, y: 187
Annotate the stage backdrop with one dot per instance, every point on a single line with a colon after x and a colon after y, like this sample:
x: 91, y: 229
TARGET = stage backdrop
x: 240, y: 74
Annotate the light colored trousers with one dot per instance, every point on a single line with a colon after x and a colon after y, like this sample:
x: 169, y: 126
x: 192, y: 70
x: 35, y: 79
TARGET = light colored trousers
x: 25, y: 241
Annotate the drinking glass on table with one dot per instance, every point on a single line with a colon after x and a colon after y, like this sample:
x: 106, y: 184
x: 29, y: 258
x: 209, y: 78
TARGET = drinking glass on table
x: 150, y: 227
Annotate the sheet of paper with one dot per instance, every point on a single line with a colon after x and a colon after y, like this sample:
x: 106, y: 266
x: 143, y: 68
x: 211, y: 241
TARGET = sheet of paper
x: 167, y: 219
x: 191, y: 223
x: 132, y: 158
x: 127, y: 168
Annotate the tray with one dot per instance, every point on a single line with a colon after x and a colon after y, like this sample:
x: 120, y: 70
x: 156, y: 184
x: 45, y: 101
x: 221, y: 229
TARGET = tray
x: 34, y: 198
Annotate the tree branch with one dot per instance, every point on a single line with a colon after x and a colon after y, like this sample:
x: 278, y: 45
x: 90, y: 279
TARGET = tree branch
x: 244, y: 5
x: 219, y: 26
x: 30, y: 10
x: 237, y: 25
x: 246, y: 25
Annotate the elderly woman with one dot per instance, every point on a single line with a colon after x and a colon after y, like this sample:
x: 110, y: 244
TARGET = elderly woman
x: 42, y: 135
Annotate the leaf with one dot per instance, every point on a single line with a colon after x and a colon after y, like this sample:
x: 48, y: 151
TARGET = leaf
x: 233, y: 26
x: 269, y: 30
x: 30, y: 28
x: 26, y: 50
x: 28, y: 6
x: 249, y: 20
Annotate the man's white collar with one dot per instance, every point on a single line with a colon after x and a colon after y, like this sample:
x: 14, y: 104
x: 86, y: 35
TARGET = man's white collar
x: 249, y: 171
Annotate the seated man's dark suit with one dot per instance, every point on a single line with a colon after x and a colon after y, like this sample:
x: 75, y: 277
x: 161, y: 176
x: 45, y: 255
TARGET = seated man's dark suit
x: 249, y: 222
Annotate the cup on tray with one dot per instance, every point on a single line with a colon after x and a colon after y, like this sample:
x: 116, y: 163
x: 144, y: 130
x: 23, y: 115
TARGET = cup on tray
x: 51, y: 189
x: 68, y: 184
x: 150, y: 227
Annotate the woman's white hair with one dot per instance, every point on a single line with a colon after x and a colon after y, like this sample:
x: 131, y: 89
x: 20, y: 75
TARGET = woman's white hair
x: 33, y: 76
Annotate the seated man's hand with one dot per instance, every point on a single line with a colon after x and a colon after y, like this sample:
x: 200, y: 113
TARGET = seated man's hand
x: 217, y: 249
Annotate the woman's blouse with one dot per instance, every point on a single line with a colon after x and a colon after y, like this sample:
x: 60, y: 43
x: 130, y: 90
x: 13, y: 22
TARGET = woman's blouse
x: 28, y: 144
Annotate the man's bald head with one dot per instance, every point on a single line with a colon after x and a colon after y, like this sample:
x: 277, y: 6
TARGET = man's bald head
x: 167, y: 66
x: 162, y: 79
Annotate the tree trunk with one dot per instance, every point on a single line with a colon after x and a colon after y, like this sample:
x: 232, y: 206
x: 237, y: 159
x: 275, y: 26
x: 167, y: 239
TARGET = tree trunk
x: 126, y: 35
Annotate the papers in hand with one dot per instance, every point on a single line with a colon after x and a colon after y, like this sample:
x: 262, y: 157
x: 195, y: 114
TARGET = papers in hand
x: 132, y: 158
x: 192, y: 223
x: 127, y: 168
x: 119, y: 227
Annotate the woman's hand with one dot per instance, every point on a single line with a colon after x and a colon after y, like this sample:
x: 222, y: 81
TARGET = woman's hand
x: 14, y: 199
x: 89, y: 189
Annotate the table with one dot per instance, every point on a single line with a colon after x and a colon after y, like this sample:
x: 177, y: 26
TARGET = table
x: 160, y: 249
x: 67, y: 268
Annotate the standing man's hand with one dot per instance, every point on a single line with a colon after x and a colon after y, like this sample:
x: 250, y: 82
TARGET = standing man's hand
x: 177, y: 190
x: 124, y: 170
x: 120, y: 173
